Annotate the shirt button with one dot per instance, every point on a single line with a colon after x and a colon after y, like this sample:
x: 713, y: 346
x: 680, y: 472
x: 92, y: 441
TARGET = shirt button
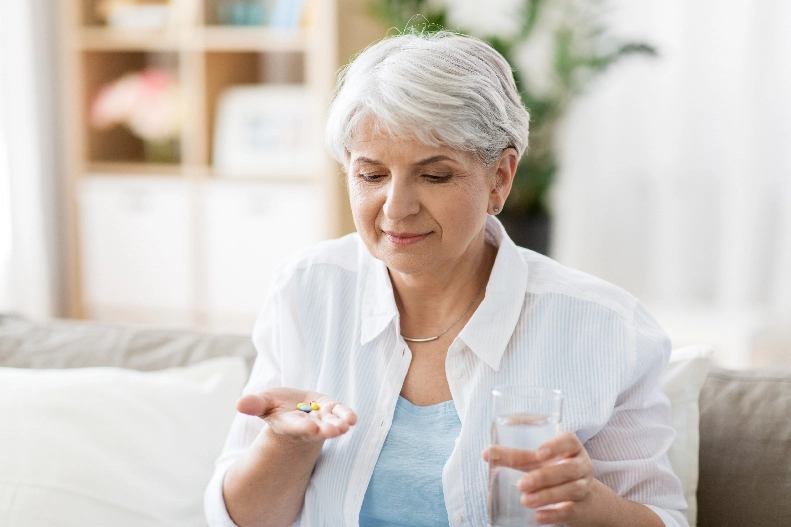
x: 456, y: 374
x: 456, y: 518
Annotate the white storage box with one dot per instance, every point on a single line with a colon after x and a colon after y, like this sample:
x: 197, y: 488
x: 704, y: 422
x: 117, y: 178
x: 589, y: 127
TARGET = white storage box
x: 137, y: 245
x: 248, y: 230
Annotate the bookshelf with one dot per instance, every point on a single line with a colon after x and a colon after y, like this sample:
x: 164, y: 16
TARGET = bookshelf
x: 175, y: 243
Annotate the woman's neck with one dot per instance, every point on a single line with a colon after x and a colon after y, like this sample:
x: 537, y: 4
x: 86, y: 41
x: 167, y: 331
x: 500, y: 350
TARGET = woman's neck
x: 430, y: 302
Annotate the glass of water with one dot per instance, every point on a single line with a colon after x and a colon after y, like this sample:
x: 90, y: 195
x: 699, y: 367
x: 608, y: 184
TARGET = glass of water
x: 524, y: 417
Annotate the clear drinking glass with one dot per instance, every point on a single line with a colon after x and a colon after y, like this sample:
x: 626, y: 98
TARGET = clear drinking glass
x: 524, y: 417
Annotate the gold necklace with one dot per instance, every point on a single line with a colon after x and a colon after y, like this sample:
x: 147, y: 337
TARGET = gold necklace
x: 429, y: 339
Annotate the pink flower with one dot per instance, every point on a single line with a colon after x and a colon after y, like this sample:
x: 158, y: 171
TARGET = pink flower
x: 147, y: 102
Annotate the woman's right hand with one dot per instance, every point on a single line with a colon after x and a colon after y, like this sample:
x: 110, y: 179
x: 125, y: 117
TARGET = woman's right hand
x: 278, y: 407
x: 266, y: 484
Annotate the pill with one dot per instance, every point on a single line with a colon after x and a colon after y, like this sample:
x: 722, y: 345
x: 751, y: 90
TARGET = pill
x: 314, y: 405
x: 305, y: 408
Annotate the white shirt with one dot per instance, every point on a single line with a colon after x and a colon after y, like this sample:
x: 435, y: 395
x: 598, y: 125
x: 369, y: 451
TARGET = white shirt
x: 331, y: 325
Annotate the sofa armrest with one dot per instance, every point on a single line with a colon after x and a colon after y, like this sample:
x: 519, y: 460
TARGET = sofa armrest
x: 78, y: 344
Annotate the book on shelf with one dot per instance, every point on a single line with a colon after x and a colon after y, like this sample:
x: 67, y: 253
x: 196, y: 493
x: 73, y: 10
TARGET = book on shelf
x: 277, y: 14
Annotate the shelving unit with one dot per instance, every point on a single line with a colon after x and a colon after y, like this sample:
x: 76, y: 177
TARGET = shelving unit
x: 143, y: 241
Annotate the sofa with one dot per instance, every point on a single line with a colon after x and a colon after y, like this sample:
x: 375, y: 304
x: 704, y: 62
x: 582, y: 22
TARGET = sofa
x: 744, y: 458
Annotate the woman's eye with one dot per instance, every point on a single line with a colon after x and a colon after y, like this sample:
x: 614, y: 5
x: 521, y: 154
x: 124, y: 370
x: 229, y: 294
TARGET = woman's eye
x: 371, y: 178
x: 437, y: 178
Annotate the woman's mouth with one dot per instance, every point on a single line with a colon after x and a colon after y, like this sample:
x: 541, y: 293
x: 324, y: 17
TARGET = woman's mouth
x: 402, y: 239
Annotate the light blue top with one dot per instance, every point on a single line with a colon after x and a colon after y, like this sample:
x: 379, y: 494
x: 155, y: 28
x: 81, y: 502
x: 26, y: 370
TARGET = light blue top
x: 406, y: 487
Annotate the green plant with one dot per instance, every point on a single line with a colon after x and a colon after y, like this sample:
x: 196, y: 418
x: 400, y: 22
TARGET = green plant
x: 581, y: 48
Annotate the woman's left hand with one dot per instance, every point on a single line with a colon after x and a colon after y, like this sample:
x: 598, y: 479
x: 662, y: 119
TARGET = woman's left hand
x: 559, y: 473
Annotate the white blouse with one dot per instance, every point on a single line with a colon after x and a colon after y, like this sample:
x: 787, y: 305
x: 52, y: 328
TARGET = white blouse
x: 331, y: 325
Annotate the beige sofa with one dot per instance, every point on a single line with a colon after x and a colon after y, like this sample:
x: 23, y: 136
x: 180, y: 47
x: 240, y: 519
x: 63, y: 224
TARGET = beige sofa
x: 745, y: 416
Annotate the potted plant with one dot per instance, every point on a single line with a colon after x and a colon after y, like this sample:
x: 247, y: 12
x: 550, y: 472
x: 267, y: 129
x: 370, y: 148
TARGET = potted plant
x: 558, y: 49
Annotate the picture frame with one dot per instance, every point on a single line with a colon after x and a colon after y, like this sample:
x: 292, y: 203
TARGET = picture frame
x: 267, y: 131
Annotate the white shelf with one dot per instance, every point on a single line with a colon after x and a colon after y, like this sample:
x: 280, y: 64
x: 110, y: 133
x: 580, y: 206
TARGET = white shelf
x: 182, y: 243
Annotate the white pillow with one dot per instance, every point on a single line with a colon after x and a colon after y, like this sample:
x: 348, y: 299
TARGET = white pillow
x: 112, y: 447
x: 682, y: 381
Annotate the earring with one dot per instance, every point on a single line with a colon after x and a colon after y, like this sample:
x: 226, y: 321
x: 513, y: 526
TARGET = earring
x: 496, y: 209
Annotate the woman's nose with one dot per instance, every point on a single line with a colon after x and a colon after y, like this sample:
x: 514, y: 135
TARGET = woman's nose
x: 402, y: 200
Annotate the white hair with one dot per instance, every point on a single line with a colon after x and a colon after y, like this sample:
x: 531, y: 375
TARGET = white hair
x: 439, y: 88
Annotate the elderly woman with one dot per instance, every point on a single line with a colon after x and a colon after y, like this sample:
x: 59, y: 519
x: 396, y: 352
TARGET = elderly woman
x: 400, y: 332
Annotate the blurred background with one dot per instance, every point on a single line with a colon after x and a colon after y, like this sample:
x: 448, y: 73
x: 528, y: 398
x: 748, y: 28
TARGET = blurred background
x: 158, y: 159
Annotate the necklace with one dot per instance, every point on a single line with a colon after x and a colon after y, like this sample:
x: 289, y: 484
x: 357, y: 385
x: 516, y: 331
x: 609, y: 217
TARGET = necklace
x: 429, y: 339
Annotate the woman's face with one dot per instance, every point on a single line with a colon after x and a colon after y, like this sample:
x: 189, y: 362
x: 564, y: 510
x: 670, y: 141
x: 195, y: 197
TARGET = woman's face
x: 421, y: 208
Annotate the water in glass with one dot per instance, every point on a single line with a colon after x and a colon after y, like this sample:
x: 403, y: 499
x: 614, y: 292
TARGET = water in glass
x: 524, y: 431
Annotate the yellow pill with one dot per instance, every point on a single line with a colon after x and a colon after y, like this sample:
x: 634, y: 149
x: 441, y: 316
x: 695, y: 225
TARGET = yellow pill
x: 314, y: 406
x: 299, y: 406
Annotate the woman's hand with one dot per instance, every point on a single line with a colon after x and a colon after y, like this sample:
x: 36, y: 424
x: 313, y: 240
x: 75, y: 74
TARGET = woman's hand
x: 278, y: 407
x: 266, y: 484
x: 560, y: 473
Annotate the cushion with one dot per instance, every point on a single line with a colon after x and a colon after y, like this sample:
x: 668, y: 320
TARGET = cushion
x: 109, y: 446
x: 745, y: 449
x: 682, y: 381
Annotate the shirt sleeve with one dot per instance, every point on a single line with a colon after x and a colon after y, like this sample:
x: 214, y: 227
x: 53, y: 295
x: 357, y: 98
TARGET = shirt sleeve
x: 244, y: 429
x: 630, y: 453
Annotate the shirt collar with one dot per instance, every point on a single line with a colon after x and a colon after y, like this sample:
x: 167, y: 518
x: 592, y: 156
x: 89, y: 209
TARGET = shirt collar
x: 378, y: 303
x: 489, y: 329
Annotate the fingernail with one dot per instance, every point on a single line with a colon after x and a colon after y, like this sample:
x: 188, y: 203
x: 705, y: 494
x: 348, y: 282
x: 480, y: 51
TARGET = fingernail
x: 527, y: 482
x: 544, y: 453
x: 494, y: 455
x: 530, y: 499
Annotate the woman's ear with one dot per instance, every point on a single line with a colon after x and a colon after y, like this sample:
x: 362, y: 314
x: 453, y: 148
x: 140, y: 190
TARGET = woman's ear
x: 504, y: 171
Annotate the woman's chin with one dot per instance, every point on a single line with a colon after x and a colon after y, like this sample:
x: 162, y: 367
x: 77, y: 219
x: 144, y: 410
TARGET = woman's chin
x: 405, y: 261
